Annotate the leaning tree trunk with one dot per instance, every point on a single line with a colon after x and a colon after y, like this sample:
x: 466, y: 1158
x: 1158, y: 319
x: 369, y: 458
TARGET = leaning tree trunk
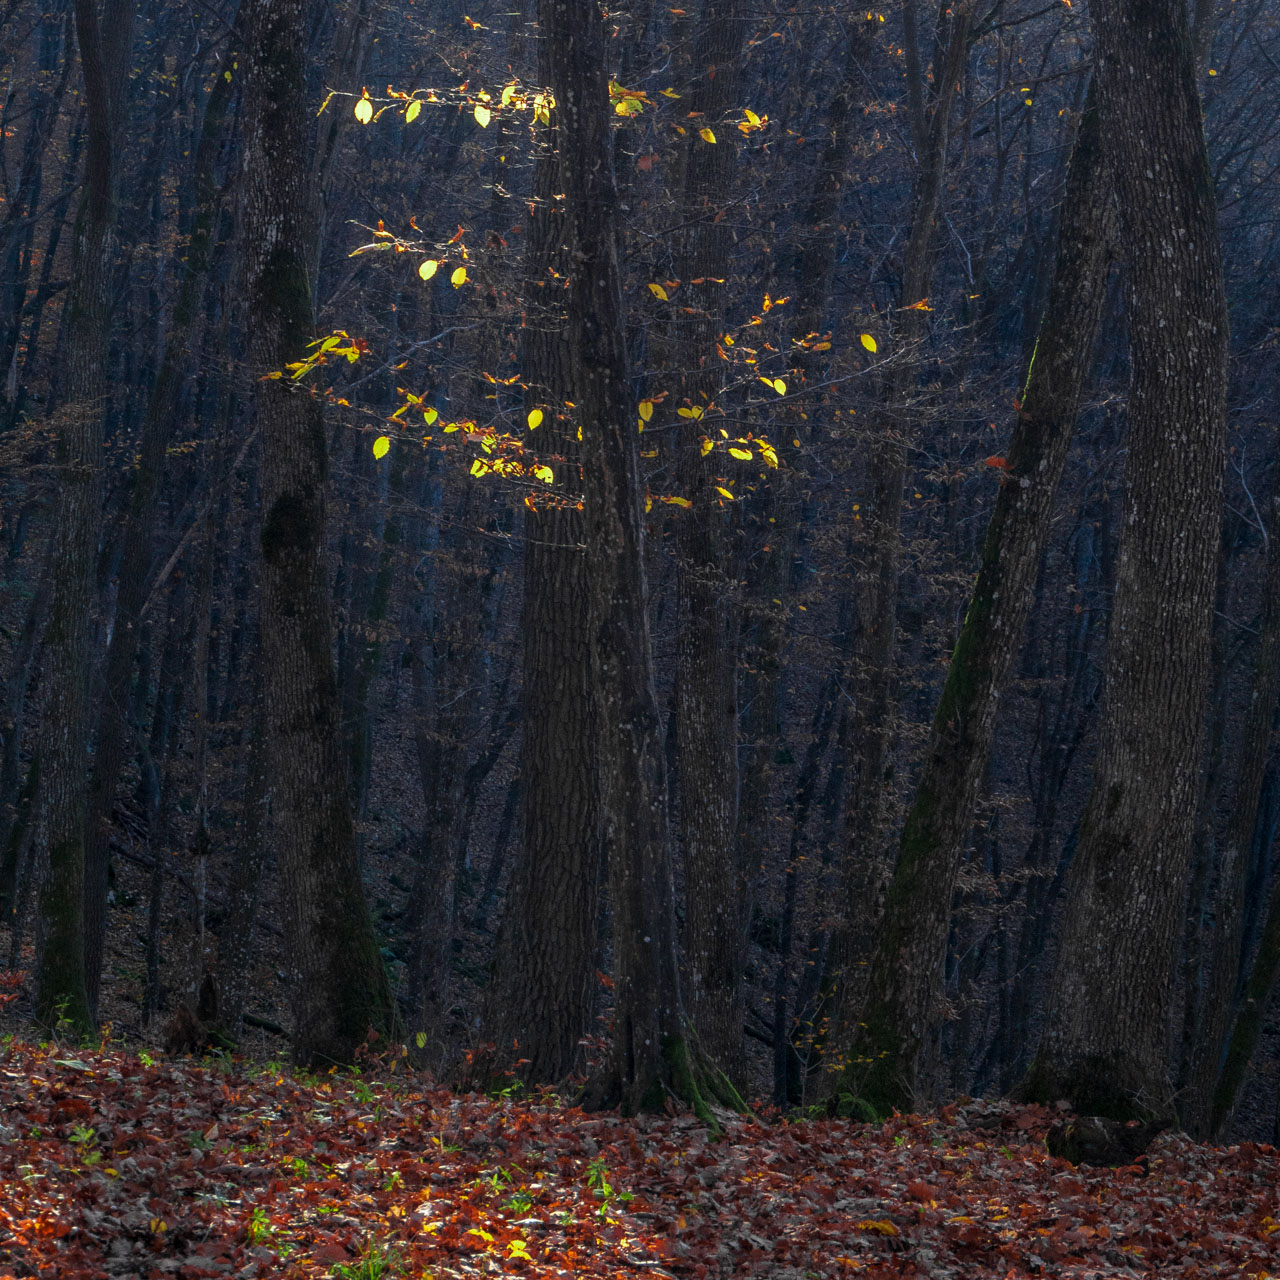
x: 903, y: 988
x: 340, y: 989
x: 1105, y: 1043
x: 61, y: 993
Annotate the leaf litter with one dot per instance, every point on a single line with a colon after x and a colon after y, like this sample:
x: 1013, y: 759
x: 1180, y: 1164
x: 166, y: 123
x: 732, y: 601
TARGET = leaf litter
x: 116, y: 1166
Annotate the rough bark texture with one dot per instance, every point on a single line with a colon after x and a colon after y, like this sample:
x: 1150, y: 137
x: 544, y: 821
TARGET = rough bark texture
x: 651, y: 1056
x: 542, y: 1001
x: 903, y: 990
x: 1105, y: 1042
x: 339, y: 985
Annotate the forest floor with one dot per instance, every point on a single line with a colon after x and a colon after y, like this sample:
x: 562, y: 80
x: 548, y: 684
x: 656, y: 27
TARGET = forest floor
x: 116, y: 1163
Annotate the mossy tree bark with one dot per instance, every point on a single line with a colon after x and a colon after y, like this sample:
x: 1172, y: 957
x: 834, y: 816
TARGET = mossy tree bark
x: 340, y: 989
x: 1105, y: 1044
x: 903, y: 988
x: 61, y: 991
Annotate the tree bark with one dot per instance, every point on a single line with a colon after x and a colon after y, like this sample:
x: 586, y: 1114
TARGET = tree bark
x: 903, y: 999
x: 1105, y: 1042
x: 340, y: 989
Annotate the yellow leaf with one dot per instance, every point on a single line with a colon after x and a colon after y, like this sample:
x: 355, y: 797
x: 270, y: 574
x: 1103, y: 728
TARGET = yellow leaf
x: 779, y: 386
x: 882, y: 1226
x: 381, y: 445
x: 507, y: 94
x: 535, y: 419
x: 693, y: 411
x: 646, y: 409
x: 868, y: 341
x: 459, y: 277
x: 450, y: 426
x: 677, y: 502
x: 648, y: 503
x: 545, y: 474
x: 744, y: 455
x: 707, y: 446
x: 720, y: 489
x: 364, y: 110
x: 411, y: 113
x: 658, y: 291
x: 428, y: 268
x: 668, y: 93
x: 482, y: 115
x: 822, y: 346
x: 479, y: 467
x: 430, y: 415
x: 752, y: 118
x: 767, y: 452
x: 706, y: 135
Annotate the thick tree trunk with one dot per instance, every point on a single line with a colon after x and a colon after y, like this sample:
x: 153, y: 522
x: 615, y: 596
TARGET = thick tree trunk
x: 340, y: 988
x: 903, y: 987
x: 652, y: 1054
x: 543, y: 994
x: 1105, y: 1044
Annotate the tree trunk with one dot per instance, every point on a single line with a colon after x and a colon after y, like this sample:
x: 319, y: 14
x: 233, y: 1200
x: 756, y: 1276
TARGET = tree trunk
x: 903, y: 995
x: 1105, y: 1045
x: 340, y: 989
x: 543, y: 994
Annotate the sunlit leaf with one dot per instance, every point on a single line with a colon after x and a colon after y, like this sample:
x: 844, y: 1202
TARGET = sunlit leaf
x: 779, y: 386
x: 534, y: 419
x: 480, y: 467
x: 545, y: 474
x: 676, y: 502
x: 507, y: 94
x: 707, y: 446
x: 743, y: 455
x: 867, y: 341
x: 428, y: 268
x: 411, y: 114
x: 720, y: 489
x: 706, y: 135
x: 658, y: 291
x: 459, y: 277
x: 646, y: 409
x: 381, y: 445
x: 482, y: 115
x: 429, y: 416
x: 767, y: 452
x: 364, y: 110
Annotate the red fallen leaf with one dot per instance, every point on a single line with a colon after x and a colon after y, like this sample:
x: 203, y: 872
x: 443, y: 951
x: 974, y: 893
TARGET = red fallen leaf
x: 1000, y: 463
x: 918, y: 1190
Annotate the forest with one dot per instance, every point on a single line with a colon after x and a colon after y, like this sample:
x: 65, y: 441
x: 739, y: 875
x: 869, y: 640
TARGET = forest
x: 717, y: 560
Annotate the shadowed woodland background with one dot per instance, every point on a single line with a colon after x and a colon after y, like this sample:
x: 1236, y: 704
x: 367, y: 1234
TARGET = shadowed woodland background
x: 771, y: 591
